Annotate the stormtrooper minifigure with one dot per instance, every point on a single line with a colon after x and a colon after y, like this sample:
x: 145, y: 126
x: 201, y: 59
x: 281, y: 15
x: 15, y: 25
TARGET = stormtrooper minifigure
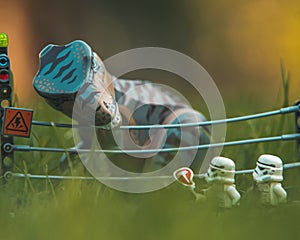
x: 220, y: 176
x: 268, y: 178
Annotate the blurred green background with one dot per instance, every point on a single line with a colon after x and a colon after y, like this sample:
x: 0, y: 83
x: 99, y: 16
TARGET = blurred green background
x: 239, y: 43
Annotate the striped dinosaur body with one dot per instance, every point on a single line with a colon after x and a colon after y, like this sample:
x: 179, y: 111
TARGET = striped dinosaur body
x: 74, y: 74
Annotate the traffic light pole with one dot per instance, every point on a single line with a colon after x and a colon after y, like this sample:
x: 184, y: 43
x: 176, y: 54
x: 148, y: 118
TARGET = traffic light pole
x: 7, y: 157
x: 297, y: 130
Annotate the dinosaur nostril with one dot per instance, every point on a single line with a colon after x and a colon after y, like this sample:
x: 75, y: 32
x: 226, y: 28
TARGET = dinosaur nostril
x: 106, y: 104
x: 98, y: 108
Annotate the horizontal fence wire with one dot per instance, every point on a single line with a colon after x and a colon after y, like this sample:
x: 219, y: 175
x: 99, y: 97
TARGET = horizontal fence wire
x: 56, y: 177
x: 9, y: 175
x: 27, y: 148
x: 167, y: 126
x: 143, y: 151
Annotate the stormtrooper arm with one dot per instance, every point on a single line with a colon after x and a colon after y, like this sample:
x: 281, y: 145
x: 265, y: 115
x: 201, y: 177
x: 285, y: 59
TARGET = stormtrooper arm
x: 233, y: 194
x: 280, y: 193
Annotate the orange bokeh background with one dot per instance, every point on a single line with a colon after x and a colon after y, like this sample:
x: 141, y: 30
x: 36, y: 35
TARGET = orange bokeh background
x: 240, y: 43
x: 16, y: 24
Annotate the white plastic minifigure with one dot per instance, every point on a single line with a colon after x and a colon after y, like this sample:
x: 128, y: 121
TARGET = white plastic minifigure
x: 268, y: 178
x: 220, y: 175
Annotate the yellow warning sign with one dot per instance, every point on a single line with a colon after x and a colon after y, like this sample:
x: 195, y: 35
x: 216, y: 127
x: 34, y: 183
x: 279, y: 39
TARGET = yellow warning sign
x: 17, y: 122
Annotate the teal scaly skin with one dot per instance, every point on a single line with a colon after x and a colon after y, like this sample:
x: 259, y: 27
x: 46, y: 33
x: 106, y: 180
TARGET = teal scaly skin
x: 73, y: 71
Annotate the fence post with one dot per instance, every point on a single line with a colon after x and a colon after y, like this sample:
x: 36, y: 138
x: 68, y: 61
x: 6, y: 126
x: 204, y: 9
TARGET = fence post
x: 7, y: 156
x: 297, y: 126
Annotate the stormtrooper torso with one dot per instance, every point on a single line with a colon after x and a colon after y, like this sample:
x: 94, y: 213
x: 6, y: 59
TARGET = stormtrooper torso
x: 225, y: 195
x: 271, y: 193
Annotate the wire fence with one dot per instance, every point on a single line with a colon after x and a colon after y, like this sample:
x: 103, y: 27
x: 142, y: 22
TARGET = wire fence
x: 10, y: 148
x: 9, y: 175
x: 281, y: 111
x: 26, y: 148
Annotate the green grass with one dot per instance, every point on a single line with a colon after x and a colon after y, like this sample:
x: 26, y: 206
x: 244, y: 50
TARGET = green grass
x: 52, y: 209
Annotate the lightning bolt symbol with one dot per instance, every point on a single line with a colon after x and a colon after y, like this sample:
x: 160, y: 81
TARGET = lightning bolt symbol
x: 17, y: 122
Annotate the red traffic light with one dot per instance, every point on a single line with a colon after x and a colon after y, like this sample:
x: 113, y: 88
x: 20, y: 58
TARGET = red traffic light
x: 4, y: 76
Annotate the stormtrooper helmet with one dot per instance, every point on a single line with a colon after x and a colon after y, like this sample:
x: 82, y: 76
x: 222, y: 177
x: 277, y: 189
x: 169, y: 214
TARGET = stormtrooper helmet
x: 221, y: 169
x: 268, y: 168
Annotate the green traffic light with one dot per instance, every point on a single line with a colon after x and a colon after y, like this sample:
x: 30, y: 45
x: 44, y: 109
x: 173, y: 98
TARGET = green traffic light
x: 3, y: 40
